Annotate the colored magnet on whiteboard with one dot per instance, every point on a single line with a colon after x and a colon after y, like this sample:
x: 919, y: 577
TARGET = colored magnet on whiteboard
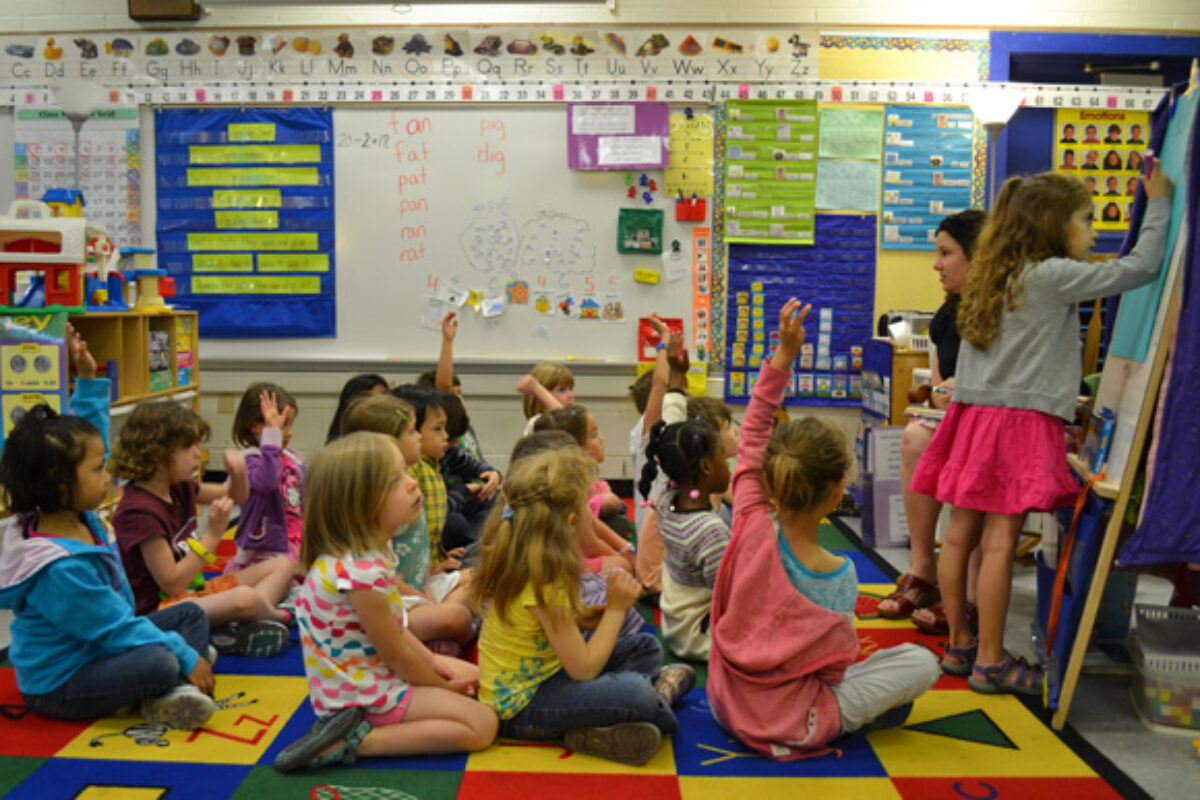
x: 642, y: 181
x: 653, y: 185
x: 649, y: 198
x: 688, y: 113
x: 629, y: 179
x: 632, y: 191
x: 643, y: 275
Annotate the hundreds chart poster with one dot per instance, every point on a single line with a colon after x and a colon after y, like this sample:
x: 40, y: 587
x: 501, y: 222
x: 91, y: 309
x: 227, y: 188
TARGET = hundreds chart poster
x: 927, y: 157
x: 1104, y: 148
x: 771, y: 171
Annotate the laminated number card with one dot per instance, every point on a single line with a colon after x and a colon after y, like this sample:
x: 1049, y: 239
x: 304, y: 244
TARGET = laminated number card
x: 771, y: 171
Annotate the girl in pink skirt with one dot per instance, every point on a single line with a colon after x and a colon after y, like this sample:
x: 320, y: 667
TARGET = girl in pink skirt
x: 1000, y: 452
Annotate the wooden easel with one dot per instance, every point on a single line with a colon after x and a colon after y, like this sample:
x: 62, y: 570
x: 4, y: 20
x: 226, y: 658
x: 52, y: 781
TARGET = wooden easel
x: 1119, y: 494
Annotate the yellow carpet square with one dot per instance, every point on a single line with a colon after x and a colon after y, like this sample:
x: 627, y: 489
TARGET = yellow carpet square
x: 254, y: 708
x: 1037, y: 751
x: 122, y: 793
x: 507, y: 755
x: 692, y: 788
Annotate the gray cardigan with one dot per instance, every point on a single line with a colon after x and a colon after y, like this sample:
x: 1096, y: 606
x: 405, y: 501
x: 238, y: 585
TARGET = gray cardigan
x: 1034, y: 362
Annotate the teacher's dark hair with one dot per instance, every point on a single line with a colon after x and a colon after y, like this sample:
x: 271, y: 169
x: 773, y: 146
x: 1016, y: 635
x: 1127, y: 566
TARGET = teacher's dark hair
x: 964, y: 228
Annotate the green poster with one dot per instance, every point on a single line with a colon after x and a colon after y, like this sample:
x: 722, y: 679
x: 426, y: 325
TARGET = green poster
x: 771, y: 170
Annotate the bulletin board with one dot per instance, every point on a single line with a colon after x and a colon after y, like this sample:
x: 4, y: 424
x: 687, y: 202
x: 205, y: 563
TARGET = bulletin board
x: 246, y: 228
x: 836, y: 275
x: 454, y: 207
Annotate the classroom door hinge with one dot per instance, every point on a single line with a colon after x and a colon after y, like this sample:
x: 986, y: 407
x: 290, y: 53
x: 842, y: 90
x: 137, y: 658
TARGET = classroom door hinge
x: 160, y: 10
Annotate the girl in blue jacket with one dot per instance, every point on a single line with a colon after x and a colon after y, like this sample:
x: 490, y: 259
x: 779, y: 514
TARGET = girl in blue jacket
x: 77, y: 647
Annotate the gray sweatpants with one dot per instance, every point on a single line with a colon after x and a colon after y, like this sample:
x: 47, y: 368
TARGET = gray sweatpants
x: 884, y: 680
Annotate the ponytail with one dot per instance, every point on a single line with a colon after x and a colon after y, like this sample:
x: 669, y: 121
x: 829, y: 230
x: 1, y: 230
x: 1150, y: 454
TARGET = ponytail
x: 678, y: 449
x: 41, y: 458
x: 804, y: 462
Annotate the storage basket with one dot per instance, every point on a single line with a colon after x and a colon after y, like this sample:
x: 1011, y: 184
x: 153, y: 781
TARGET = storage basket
x: 1166, y: 652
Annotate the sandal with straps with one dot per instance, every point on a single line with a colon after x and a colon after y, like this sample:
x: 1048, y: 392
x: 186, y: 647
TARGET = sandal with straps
x: 964, y: 660
x: 927, y: 594
x: 349, y: 726
x: 932, y: 619
x: 1013, y: 675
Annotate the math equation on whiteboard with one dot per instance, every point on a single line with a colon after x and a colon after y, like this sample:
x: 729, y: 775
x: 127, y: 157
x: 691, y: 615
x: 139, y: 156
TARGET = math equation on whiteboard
x: 367, y: 141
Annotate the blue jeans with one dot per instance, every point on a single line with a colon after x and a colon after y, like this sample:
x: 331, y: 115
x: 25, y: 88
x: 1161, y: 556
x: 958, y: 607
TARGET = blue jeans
x: 623, y: 692
x: 100, y: 687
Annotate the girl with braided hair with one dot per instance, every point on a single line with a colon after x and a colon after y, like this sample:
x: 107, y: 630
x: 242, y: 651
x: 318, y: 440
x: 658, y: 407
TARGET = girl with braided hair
x: 694, y: 536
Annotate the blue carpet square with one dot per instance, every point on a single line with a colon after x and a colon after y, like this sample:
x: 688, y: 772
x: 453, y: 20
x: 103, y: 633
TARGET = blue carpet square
x: 702, y: 749
x: 67, y: 777
x: 868, y: 571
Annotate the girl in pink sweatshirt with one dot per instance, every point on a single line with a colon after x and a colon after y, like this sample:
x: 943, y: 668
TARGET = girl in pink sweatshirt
x: 781, y: 674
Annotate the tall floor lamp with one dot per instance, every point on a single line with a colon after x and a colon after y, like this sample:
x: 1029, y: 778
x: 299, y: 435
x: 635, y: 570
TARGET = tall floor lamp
x: 994, y: 107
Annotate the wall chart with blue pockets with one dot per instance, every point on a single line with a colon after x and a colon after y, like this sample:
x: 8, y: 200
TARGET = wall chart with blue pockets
x: 246, y: 218
x: 928, y: 154
x: 836, y: 274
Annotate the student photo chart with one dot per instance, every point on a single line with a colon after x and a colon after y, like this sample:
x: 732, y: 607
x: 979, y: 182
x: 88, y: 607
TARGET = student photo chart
x: 473, y: 208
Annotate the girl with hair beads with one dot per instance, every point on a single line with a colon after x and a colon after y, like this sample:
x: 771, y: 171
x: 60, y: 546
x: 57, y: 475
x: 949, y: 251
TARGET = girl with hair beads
x: 78, y: 649
x: 547, y: 387
x: 164, y: 553
x: 436, y: 609
x: 272, y: 518
x: 1000, y: 452
x: 692, y: 455
x: 375, y: 688
x: 351, y: 391
x: 535, y: 669
x: 781, y: 674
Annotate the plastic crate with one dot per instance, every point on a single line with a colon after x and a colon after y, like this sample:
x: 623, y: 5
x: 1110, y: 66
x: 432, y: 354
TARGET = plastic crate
x: 1166, y: 653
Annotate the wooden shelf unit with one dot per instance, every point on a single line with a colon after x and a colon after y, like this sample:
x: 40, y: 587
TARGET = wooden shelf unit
x: 124, y: 338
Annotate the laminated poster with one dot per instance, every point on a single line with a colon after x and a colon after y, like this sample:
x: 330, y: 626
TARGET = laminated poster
x: 634, y: 135
x: 771, y: 171
x: 928, y: 153
x: 1105, y: 148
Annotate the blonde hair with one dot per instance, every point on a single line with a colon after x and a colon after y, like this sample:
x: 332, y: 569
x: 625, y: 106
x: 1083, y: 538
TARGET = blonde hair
x: 347, y: 486
x: 1027, y: 224
x: 379, y: 413
x: 537, y: 545
x: 805, y: 460
x: 551, y: 376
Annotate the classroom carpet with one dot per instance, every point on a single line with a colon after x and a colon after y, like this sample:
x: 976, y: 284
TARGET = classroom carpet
x: 956, y: 744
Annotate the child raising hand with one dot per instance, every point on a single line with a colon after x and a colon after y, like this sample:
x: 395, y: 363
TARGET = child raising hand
x: 782, y: 636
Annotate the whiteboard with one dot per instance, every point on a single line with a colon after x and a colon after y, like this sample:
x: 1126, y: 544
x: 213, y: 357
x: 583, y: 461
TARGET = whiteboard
x: 430, y: 199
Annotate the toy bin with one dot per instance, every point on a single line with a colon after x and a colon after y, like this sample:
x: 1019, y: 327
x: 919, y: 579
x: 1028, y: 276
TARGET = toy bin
x: 1166, y: 652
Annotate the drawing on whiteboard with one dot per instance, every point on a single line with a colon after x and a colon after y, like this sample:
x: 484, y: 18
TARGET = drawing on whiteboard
x: 491, y: 239
x: 557, y: 240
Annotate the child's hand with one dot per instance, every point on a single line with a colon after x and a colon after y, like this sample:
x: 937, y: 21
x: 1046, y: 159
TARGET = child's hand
x: 463, y: 685
x: 590, y: 618
x: 791, y: 333
x: 526, y: 385
x: 201, y: 676
x: 659, y: 327
x: 235, y: 464
x: 85, y: 364
x: 623, y: 590
x: 1158, y: 184
x: 677, y: 356
x: 452, y: 561
x: 487, y: 490
x: 218, y: 516
x: 272, y: 416
x: 450, y: 325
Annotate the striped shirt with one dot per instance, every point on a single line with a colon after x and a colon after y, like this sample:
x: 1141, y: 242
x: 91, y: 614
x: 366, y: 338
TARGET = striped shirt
x: 695, y: 541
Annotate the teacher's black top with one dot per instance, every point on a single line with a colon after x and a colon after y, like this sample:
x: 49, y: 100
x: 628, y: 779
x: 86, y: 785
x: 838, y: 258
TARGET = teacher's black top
x: 943, y: 331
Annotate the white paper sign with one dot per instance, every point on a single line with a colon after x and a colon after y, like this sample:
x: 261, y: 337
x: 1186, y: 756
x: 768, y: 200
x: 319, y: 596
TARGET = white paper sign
x: 602, y: 119
x: 629, y: 150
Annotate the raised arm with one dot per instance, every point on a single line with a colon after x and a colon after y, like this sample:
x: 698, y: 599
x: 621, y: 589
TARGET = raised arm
x: 445, y: 367
x: 545, y: 398
x: 658, y: 383
x: 748, y: 488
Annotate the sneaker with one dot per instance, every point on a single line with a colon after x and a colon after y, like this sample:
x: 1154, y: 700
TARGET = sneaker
x: 632, y: 743
x: 261, y: 638
x: 674, y: 681
x: 211, y: 655
x: 892, y: 718
x: 347, y: 726
x: 184, y: 708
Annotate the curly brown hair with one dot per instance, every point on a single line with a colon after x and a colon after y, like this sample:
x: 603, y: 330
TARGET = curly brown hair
x: 151, y: 436
x: 1028, y: 224
x: 804, y: 461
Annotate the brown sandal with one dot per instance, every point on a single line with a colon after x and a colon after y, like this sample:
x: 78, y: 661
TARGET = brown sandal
x: 932, y: 620
x: 927, y: 594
